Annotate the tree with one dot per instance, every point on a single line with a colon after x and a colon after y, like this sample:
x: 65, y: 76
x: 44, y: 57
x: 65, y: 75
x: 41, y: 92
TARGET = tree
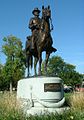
x: 57, y: 67
x: 14, y: 67
x: 1, y: 78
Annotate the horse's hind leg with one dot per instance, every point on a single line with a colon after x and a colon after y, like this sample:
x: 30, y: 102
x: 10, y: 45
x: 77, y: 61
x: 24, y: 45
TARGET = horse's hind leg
x: 27, y: 65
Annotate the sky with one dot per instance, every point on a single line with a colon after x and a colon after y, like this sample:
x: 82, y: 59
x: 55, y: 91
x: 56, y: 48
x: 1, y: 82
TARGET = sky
x: 67, y: 19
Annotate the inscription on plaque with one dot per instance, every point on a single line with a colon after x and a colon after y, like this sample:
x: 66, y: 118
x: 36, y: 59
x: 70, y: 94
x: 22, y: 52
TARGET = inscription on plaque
x: 52, y: 87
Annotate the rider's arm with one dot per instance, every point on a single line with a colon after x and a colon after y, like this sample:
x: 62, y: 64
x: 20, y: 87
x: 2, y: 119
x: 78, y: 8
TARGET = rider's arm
x: 31, y: 23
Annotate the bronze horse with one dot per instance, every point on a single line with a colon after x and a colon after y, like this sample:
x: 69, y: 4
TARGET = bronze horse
x: 42, y: 43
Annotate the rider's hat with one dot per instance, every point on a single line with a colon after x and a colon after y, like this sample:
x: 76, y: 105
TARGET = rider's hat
x: 35, y: 10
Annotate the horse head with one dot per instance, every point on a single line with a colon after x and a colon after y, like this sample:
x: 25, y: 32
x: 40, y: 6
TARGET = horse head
x: 46, y: 12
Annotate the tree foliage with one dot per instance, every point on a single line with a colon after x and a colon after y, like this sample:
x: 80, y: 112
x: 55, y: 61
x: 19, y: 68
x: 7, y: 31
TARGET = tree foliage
x: 58, y: 67
x: 1, y: 78
x: 13, y: 69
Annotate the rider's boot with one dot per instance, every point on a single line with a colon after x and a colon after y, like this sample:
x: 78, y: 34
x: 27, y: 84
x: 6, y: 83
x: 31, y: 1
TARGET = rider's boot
x: 32, y: 45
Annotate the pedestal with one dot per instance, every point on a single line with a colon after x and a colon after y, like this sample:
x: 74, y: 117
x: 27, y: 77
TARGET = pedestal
x: 41, y: 94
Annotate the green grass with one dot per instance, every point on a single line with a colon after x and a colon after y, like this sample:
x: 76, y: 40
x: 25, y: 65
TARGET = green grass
x: 67, y: 98
x: 10, y: 110
x: 69, y: 115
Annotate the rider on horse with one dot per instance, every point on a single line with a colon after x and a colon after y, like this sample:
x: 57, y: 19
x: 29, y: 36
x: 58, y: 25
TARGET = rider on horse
x: 41, y: 39
x: 34, y: 25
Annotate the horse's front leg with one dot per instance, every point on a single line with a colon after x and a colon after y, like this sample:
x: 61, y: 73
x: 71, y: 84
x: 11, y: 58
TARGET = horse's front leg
x: 35, y: 64
x: 40, y: 61
x: 46, y: 62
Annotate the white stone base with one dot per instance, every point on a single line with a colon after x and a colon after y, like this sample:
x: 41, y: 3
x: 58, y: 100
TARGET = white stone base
x: 42, y: 111
x: 32, y: 92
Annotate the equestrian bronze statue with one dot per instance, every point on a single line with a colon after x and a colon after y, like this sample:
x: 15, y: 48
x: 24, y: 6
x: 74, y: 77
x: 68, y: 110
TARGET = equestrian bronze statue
x: 40, y: 40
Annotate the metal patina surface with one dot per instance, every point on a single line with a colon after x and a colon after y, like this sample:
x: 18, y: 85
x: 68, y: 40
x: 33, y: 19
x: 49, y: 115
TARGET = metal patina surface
x: 40, y: 40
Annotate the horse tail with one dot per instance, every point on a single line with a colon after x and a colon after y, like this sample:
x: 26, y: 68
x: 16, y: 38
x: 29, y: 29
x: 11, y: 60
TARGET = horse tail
x: 29, y: 63
x: 53, y: 49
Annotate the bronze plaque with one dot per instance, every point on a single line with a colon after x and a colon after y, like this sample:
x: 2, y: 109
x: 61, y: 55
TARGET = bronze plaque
x: 52, y: 87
